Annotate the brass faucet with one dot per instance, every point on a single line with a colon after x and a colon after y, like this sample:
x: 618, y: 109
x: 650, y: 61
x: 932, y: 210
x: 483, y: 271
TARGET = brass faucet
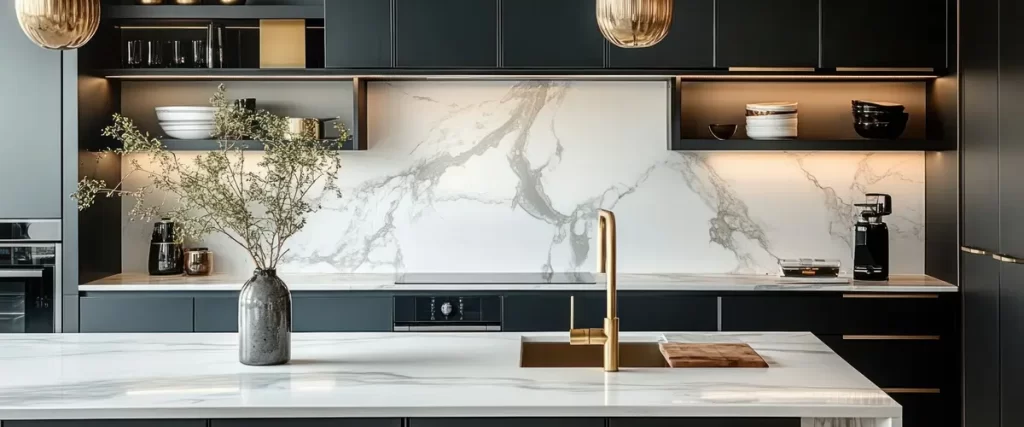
x: 609, y: 336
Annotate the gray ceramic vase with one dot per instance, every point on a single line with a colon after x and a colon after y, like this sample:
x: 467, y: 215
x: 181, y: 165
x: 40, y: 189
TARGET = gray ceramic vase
x: 264, y: 320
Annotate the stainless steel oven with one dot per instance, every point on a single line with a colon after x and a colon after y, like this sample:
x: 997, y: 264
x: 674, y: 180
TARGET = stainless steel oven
x: 30, y: 280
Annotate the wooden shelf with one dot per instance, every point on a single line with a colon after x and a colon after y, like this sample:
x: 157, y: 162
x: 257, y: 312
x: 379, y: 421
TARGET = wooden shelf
x: 213, y: 144
x: 200, y: 12
x: 809, y: 145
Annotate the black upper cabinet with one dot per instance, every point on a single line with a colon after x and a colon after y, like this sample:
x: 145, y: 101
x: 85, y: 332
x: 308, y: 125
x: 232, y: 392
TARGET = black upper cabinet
x: 883, y: 33
x: 980, y: 147
x: 551, y: 34
x: 357, y: 33
x: 446, y: 33
x: 759, y: 33
x: 1011, y: 130
x: 690, y: 42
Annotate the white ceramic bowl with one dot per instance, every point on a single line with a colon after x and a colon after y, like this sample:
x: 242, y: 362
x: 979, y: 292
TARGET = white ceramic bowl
x: 772, y: 135
x: 772, y: 123
x: 188, y: 123
x: 188, y: 134
x: 169, y: 114
x: 773, y: 106
x: 772, y: 118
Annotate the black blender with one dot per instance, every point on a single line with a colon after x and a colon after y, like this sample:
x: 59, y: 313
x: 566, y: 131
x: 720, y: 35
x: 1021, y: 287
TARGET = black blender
x: 871, y: 239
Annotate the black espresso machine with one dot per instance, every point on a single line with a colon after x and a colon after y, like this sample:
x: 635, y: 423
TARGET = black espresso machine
x: 871, y: 239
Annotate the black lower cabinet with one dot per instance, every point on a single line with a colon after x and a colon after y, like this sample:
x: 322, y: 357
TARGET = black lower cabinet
x: 216, y: 314
x: 908, y: 363
x: 1011, y: 346
x: 839, y: 314
x: 107, y: 423
x: 342, y: 314
x: 536, y: 312
x: 506, y: 422
x: 310, y: 422
x: 980, y: 287
x: 135, y: 314
x: 704, y: 422
x: 650, y: 312
x: 929, y: 410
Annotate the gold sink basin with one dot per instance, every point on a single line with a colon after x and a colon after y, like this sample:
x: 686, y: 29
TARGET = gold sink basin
x: 564, y: 355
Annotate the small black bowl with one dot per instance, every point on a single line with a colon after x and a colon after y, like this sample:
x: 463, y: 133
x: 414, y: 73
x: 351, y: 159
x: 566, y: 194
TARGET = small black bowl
x: 722, y: 132
x: 880, y: 130
x: 881, y: 117
x: 877, y: 106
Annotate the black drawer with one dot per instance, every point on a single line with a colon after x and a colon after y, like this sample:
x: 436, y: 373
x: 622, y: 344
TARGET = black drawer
x: 928, y: 409
x: 839, y: 314
x: 897, y: 363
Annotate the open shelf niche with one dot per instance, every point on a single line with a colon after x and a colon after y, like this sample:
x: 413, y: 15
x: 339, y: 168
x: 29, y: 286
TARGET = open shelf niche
x: 825, y: 117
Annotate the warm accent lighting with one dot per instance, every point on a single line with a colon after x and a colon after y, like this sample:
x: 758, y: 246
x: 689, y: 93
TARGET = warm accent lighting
x: 58, y: 24
x: 634, y: 23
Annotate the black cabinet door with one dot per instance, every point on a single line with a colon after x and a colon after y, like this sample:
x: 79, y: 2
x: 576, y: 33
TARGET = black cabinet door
x: 342, y: 314
x: 650, y: 311
x: 309, y: 422
x: 1011, y: 129
x: 1011, y: 347
x: 216, y: 314
x: 759, y: 33
x: 704, y: 422
x: 550, y: 34
x: 980, y: 146
x: 690, y: 42
x: 980, y: 288
x: 30, y: 150
x: 883, y: 33
x: 357, y: 33
x: 536, y: 313
x: 446, y: 33
x: 838, y: 314
x: 135, y: 314
x: 107, y: 423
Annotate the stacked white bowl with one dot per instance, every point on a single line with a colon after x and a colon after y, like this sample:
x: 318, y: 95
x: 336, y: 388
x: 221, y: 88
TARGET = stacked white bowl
x: 772, y: 120
x: 187, y: 122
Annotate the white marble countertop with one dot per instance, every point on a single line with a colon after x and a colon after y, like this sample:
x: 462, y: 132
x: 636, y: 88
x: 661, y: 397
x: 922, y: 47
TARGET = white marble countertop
x: 627, y: 282
x: 80, y: 376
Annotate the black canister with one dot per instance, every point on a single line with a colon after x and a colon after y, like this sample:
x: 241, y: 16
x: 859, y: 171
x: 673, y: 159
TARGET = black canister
x: 165, y: 254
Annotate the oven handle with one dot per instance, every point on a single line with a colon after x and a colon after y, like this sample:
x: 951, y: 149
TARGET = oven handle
x: 15, y: 273
x: 447, y: 328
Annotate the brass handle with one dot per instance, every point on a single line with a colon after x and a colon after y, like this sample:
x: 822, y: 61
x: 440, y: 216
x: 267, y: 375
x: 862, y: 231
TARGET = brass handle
x: 1006, y: 259
x: 572, y: 312
x: 891, y: 296
x: 974, y: 251
x: 911, y: 390
x: 891, y: 337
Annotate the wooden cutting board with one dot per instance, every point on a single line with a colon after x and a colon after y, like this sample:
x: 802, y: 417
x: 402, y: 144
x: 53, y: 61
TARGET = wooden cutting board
x: 682, y: 355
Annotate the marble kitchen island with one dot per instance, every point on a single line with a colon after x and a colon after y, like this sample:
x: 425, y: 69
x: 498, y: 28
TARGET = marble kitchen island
x: 420, y: 378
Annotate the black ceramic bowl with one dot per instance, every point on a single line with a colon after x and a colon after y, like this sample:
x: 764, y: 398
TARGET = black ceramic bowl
x: 877, y: 106
x: 881, y: 117
x: 880, y: 130
x: 722, y: 132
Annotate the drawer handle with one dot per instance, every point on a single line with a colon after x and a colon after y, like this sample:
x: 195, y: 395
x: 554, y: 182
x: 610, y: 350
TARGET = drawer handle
x: 891, y: 296
x: 891, y: 337
x: 911, y: 390
x: 974, y: 251
x: 1006, y: 259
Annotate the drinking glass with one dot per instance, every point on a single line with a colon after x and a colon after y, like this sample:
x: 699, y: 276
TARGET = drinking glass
x: 178, y: 58
x: 154, y: 54
x: 134, y: 56
x: 199, y: 53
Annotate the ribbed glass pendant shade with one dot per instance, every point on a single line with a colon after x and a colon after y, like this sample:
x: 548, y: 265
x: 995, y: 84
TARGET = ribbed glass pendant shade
x: 634, y: 23
x: 59, y: 24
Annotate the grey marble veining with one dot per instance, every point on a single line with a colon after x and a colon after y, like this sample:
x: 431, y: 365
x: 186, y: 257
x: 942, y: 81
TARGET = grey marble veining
x: 102, y: 376
x: 507, y: 176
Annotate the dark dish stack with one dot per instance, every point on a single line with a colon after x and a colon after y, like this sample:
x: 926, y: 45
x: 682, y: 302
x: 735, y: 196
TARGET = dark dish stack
x: 879, y: 120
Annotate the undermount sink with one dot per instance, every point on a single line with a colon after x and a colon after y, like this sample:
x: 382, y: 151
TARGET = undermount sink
x: 565, y: 355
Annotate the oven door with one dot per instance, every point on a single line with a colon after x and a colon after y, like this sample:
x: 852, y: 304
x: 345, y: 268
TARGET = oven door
x: 26, y: 299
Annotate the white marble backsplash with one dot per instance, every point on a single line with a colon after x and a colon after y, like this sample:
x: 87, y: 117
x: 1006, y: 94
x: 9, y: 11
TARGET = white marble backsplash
x: 507, y: 176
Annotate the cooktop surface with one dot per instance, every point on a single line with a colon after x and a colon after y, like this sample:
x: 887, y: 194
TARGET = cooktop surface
x: 496, y: 279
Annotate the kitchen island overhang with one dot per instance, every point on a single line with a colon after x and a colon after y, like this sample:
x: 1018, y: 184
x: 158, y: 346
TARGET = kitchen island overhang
x: 429, y: 375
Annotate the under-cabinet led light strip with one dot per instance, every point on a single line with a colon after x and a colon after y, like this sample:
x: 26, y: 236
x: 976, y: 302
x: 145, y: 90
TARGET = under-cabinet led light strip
x: 521, y: 77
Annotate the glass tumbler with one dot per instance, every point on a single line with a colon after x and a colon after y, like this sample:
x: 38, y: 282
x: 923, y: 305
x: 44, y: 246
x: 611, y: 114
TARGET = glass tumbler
x: 199, y: 53
x: 178, y: 58
x: 154, y: 54
x: 133, y: 58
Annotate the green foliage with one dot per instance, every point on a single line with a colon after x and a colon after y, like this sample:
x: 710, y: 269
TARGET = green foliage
x: 258, y: 206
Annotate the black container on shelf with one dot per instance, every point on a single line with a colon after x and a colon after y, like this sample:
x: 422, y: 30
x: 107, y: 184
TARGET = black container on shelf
x: 165, y: 254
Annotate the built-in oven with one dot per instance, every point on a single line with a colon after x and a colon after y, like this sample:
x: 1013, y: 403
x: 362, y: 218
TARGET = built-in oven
x: 30, y: 281
x: 448, y: 313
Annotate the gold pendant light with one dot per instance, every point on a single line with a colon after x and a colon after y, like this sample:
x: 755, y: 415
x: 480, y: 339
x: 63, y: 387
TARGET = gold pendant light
x: 634, y: 23
x: 59, y: 24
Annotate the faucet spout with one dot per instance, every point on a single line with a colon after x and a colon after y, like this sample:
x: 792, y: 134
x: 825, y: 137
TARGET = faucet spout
x: 609, y: 336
